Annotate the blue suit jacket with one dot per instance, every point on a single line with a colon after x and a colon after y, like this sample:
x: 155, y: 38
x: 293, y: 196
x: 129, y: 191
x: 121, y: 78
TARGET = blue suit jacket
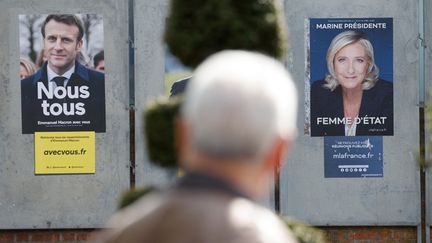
x: 66, y: 119
x: 376, y: 102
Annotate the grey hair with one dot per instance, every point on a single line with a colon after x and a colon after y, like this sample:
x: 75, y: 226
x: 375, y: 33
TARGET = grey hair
x: 237, y: 103
x: 340, y: 41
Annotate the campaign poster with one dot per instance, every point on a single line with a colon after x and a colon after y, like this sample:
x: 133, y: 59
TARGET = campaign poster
x: 62, y: 69
x: 360, y: 156
x: 349, y: 77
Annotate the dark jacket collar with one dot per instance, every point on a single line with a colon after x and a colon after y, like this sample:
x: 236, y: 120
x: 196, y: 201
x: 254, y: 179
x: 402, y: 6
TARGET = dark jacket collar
x: 200, y: 180
x: 80, y: 70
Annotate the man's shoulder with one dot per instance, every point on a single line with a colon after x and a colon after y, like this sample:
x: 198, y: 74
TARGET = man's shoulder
x: 254, y: 221
x: 28, y: 81
x: 89, y: 74
x: 237, y: 217
x: 32, y: 79
x: 193, y: 213
x: 134, y: 212
x: 95, y: 73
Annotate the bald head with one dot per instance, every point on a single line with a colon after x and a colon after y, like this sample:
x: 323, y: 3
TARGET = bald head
x: 237, y: 104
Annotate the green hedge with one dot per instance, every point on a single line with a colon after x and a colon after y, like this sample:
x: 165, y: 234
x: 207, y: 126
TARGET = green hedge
x: 159, y: 122
x: 196, y: 29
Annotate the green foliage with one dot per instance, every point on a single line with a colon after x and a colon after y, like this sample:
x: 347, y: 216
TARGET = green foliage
x: 196, y: 29
x: 423, y: 158
x: 304, y: 232
x: 133, y: 195
x: 159, y: 123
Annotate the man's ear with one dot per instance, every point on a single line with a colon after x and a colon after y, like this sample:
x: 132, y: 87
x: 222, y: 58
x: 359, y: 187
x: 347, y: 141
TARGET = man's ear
x: 278, y: 152
x: 79, y: 45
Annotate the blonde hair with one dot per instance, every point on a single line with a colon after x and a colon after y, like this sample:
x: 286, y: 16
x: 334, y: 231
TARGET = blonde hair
x: 340, y: 41
x: 28, y: 65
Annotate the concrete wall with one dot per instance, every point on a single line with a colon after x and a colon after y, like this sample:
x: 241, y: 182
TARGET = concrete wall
x: 149, y: 83
x: 86, y: 201
x: 428, y: 91
x: 62, y: 201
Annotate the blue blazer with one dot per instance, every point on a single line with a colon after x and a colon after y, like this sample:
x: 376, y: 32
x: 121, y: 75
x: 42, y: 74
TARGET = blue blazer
x: 377, y: 102
x: 69, y: 117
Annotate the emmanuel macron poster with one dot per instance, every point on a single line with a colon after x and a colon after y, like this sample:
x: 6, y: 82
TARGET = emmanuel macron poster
x: 61, y: 71
x: 349, y: 76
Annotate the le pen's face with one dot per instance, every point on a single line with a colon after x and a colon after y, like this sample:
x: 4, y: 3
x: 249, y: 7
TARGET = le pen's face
x: 61, y: 45
x: 351, y: 64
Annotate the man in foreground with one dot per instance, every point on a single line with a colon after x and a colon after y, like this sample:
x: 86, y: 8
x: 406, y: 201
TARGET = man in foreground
x: 237, y: 122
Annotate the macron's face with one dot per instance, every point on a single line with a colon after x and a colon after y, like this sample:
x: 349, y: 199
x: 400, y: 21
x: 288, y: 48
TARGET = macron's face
x: 351, y: 64
x: 61, y: 45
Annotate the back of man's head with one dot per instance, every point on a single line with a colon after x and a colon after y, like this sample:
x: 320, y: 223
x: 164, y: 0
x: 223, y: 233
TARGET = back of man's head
x: 237, y: 104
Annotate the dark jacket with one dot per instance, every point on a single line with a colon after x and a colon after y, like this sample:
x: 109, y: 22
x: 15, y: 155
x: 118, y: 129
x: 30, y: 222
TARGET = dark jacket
x: 70, y: 113
x: 376, y: 110
x: 198, y: 210
x: 179, y: 87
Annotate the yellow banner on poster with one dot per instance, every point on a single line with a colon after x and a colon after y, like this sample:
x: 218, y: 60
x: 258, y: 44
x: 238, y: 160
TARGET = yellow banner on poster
x: 65, y: 152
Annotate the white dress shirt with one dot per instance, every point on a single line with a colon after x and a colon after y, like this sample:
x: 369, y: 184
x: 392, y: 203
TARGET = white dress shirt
x: 51, y: 74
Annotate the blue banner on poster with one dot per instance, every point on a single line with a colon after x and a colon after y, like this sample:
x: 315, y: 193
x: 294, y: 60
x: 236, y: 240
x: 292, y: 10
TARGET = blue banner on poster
x: 360, y: 156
